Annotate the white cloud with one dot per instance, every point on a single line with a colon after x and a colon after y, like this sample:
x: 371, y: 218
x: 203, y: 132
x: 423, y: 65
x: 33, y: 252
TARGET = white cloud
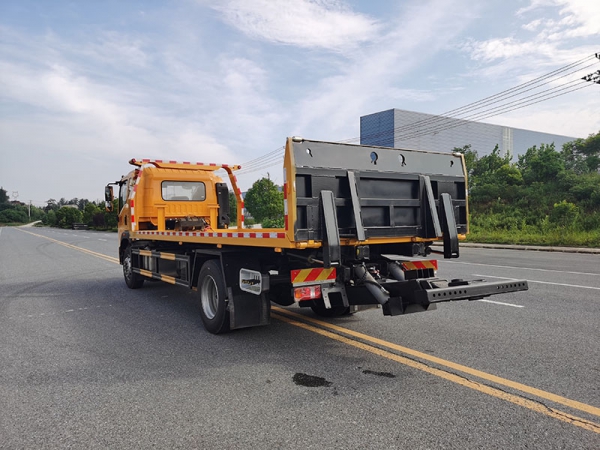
x: 81, y: 130
x: 116, y: 49
x: 327, y: 24
x: 580, y: 18
x: 575, y: 18
x: 554, y: 31
x: 501, y: 48
x: 188, y: 88
x: 533, y: 25
x: 368, y: 81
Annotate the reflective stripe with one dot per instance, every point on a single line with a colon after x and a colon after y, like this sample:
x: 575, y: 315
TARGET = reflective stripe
x: 253, y: 235
x: 313, y: 275
x: 420, y: 265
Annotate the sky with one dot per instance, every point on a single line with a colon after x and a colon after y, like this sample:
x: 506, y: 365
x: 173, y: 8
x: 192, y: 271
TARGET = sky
x: 86, y: 85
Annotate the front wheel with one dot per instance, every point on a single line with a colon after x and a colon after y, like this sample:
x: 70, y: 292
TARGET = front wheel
x: 213, y: 305
x: 132, y: 280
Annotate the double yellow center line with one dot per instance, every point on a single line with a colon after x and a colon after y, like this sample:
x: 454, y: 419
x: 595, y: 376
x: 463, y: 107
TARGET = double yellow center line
x: 381, y: 347
x: 74, y: 247
x: 405, y: 355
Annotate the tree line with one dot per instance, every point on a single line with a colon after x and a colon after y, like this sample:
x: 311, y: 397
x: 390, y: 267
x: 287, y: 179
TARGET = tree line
x: 545, y: 190
x: 62, y: 213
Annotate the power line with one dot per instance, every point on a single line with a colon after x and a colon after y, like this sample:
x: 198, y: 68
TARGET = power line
x: 467, y: 113
x: 452, y: 122
x: 496, y: 98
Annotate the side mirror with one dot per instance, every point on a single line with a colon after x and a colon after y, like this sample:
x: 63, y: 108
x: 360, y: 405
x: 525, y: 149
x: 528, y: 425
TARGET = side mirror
x: 108, y: 198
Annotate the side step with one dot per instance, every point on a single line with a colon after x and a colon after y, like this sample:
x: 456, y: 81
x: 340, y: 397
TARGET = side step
x: 153, y: 263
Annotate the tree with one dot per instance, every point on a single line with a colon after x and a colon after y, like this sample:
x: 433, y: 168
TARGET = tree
x: 37, y: 213
x: 98, y: 220
x: 582, y: 155
x: 111, y: 219
x: 13, y: 215
x: 232, y: 209
x: 264, y: 201
x: 564, y: 214
x: 3, y: 196
x: 541, y: 164
x: 89, y: 212
x: 50, y: 218
x: 67, y: 216
x: 471, y: 157
x: 51, y: 205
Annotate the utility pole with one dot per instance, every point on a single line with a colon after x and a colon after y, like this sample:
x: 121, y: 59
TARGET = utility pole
x: 29, y: 209
x: 593, y: 77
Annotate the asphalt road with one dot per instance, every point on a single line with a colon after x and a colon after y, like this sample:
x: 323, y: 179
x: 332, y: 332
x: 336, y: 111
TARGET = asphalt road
x: 87, y: 363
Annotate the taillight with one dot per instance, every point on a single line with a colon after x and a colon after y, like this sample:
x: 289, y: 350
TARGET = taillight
x: 307, y: 292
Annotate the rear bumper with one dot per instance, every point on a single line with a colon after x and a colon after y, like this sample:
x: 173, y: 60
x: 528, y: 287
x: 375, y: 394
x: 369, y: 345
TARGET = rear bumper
x: 420, y: 295
x: 473, y: 291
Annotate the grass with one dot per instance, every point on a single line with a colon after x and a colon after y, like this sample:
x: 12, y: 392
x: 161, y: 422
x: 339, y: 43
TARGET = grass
x: 557, y: 238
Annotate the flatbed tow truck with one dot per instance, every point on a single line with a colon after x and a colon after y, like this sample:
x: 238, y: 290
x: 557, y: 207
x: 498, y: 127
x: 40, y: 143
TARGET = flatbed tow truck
x: 360, y: 222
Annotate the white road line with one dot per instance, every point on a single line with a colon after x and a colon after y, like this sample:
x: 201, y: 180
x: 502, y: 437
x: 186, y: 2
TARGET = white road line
x: 501, y: 303
x: 519, y: 268
x: 543, y: 282
x: 102, y: 239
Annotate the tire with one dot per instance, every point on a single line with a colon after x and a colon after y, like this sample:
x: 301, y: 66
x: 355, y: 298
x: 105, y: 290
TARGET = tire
x: 213, y: 304
x: 334, y: 311
x: 132, y: 280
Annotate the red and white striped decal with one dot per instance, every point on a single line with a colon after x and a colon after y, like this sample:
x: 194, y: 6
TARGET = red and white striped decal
x: 132, y: 199
x: 285, y: 202
x: 166, y: 161
x: 248, y: 235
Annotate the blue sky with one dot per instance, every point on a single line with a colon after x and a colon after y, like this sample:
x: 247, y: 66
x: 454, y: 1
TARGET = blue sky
x: 87, y: 85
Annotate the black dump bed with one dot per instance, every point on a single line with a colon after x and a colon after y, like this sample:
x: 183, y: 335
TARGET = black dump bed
x: 378, y: 192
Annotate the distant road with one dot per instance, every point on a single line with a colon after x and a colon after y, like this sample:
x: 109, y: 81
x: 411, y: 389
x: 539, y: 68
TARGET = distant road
x: 87, y: 363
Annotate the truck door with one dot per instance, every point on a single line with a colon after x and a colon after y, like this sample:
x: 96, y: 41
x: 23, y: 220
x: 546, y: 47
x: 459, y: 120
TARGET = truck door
x: 124, y: 191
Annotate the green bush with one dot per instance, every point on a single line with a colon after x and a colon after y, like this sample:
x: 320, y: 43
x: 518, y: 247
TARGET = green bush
x: 67, y: 216
x: 273, y: 223
x: 564, y: 214
x: 13, y: 216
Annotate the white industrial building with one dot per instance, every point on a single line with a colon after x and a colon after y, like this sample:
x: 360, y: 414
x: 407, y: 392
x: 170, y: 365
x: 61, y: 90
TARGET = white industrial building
x: 414, y: 130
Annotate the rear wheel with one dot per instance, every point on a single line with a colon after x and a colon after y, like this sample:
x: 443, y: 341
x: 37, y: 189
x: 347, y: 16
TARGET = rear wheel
x: 132, y: 280
x: 213, y: 305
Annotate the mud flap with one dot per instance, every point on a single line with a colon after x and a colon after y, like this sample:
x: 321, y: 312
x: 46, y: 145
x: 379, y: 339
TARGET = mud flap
x: 245, y: 309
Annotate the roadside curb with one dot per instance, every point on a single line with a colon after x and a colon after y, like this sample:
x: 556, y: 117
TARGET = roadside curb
x: 538, y: 248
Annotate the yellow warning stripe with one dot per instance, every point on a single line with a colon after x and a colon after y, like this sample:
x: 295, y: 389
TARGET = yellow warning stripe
x: 161, y: 255
x: 156, y: 276
x: 419, y: 265
x: 310, y: 275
